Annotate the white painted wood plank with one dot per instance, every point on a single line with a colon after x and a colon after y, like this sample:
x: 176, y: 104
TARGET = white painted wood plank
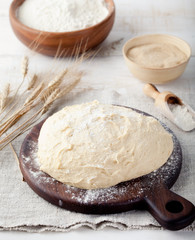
x: 106, y: 78
x: 133, y: 18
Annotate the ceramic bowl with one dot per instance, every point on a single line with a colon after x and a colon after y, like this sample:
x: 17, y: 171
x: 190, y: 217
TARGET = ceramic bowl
x: 48, y: 42
x: 156, y: 75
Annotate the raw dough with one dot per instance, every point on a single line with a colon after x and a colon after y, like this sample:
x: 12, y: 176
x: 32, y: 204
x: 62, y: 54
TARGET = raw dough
x: 93, y: 145
x: 157, y: 55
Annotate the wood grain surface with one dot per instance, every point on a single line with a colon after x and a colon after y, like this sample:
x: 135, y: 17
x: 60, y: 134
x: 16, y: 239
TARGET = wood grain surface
x: 149, y: 192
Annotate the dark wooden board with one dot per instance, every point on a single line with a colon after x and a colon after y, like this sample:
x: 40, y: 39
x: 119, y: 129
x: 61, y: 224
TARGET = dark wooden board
x: 150, y: 192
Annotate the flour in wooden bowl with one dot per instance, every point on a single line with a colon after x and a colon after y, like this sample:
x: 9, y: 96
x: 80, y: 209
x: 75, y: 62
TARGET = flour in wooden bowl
x: 62, y: 15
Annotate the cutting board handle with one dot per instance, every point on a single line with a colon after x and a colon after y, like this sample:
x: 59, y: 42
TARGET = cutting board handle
x: 172, y: 211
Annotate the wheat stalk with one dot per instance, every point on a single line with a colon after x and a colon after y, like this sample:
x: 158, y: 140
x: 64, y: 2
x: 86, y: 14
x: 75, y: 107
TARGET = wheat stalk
x: 53, y: 85
x: 18, y: 131
x: 50, y: 100
x: 34, y: 94
x: 32, y: 82
x: 69, y: 87
x: 41, y: 98
x: 13, y: 106
x: 57, y: 93
x: 14, y: 119
x: 24, y: 68
x: 24, y: 71
x: 28, y: 101
x: 10, y: 137
x: 4, y: 96
x: 58, y: 79
x: 31, y: 85
x: 28, y: 105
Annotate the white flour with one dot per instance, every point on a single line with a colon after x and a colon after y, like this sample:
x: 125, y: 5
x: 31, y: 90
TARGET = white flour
x: 132, y: 190
x: 182, y: 117
x: 62, y: 15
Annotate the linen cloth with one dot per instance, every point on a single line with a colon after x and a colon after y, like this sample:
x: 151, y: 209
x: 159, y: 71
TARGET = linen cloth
x: 22, y: 209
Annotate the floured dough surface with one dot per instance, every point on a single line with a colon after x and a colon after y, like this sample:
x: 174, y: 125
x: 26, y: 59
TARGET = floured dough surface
x: 93, y: 145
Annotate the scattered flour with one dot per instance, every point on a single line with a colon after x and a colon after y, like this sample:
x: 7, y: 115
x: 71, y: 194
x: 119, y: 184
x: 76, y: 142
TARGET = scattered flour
x: 131, y: 190
x: 62, y: 15
x: 182, y: 117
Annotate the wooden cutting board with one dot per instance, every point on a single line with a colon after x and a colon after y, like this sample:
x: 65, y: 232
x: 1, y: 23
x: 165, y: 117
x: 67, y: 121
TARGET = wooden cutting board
x: 150, y: 192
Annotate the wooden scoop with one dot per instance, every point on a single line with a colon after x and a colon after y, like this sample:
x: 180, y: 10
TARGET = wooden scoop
x: 163, y: 99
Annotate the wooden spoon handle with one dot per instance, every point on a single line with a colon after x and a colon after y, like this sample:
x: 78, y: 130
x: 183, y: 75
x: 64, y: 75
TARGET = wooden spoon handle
x: 169, y: 209
x: 151, y: 91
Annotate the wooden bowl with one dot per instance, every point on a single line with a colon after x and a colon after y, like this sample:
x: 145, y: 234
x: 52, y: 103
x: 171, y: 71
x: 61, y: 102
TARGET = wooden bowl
x: 49, y: 42
x: 156, y: 75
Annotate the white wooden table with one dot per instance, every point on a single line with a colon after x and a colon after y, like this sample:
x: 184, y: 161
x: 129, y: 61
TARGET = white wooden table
x: 176, y: 17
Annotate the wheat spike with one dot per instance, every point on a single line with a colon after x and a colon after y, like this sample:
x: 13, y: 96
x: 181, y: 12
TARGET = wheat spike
x: 4, y: 95
x: 58, y: 79
x: 34, y: 94
x: 24, y: 69
x: 53, y: 85
x: 15, y: 118
x: 32, y: 82
x: 69, y: 87
x: 18, y: 131
x: 50, y: 100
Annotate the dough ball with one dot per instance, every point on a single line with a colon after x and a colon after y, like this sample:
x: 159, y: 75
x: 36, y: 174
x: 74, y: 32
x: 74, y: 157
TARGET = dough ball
x: 93, y: 145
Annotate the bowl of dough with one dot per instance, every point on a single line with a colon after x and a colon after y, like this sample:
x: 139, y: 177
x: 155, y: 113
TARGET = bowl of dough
x: 66, y: 26
x: 156, y: 58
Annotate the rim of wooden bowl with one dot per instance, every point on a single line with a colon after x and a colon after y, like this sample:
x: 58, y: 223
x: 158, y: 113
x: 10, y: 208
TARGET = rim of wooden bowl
x: 125, y: 49
x: 13, y: 17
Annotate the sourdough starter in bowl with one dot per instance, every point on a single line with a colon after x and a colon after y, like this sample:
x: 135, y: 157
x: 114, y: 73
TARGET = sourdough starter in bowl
x: 156, y: 55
